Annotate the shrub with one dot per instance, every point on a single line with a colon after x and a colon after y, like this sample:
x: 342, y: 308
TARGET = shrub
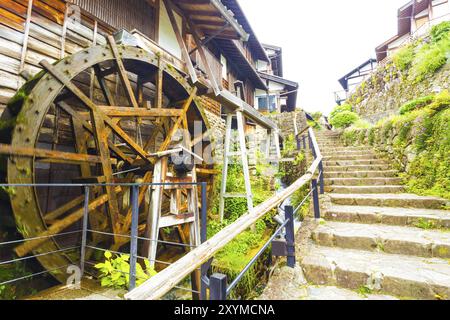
x: 404, y: 58
x: 362, y: 124
x: 441, y: 101
x: 344, y: 119
x: 429, y: 59
x: 339, y: 109
x: 416, y: 104
x: 440, y: 31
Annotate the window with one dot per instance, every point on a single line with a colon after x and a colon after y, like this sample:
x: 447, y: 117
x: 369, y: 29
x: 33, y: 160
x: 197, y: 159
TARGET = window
x: 223, y: 61
x: 262, y: 103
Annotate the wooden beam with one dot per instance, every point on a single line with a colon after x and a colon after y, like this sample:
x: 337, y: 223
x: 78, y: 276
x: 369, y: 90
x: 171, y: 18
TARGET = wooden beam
x: 49, y: 154
x: 103, y: 86
x: 201, y: 51
x: 184, y: 51
x: 125, y: 112
x: 177, y: 124
x: 122, y: 73
x: 61, y: 225
x: 93, y: 107
x: 26, y: 36
x: 88, y: 127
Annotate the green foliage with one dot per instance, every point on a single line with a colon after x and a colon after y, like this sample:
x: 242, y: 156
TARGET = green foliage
x: 314, y: 124
x: 361, y: 124
x: 424, y: 224
x: 289, y: 146
x: 339, y: 109
x: 403, y: 59
x: 15, y: 290
x: 440, y: 32
x: 344, y: 119
x: 416, y: 104
x: 429, y: 172
x: 441, y: 101
x: 115, y: 272
x: 364, y: 291
x: 296, y: 200
x: 429, y: 59
x: 316, y: 115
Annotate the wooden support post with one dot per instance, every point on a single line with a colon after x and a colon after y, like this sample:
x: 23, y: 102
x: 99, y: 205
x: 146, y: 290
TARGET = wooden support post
x: 64, y: 32
x: 244, y: 157
x: 159, y: 175
x: 276, y: 139
x: 184, y: 51
x: 92, y: 84
x: 223, y: 188
x: 201, y: 51
x: 26, y: 36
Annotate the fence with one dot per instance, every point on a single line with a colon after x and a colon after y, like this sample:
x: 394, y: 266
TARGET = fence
x: 85, y: 230
x: 218, y: 286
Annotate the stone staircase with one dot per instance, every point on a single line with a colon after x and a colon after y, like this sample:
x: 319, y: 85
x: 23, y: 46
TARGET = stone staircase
x: 375, y: 237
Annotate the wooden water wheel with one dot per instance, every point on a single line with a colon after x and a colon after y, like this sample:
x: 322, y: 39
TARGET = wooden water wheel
x: 98, y: 116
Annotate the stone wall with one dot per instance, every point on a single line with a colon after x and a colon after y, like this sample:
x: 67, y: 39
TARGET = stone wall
x: 388, y: 89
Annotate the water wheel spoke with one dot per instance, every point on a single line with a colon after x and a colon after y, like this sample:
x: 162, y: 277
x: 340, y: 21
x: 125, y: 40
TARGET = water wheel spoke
x: 122, y: 73
x: 76, y: 117
x: 51, y: 156
x: 109, y: 97
x: 61, y: 225
x: 100, y: 116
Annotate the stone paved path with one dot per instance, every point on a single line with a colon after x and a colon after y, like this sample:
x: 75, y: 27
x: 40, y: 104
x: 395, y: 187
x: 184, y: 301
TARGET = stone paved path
x: 375, y: 240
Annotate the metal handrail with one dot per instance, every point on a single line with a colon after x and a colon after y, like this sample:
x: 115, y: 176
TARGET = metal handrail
x: 163, y: 282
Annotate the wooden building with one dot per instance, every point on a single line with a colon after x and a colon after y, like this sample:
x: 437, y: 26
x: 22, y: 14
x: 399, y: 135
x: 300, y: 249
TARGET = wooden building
x: 33, y: 30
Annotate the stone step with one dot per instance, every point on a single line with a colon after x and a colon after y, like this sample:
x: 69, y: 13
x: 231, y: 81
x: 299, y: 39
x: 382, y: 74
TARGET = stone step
x: 383, y: 181
x: 330, y: 293
x: 356, y: 168
x: 361, y: 174
x: 399, y: 275
x: 350, y: 157
x: 389, y: 216
x: 388, y: 239
x: 403, y: 200
x: 349, y: 153
x: 364, y: 189
x: 345, y: 163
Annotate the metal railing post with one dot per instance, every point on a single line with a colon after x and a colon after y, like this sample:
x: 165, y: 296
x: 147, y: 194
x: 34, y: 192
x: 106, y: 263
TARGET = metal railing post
x: 218, y: 287
x: 304, y: 141
x: 321, y: 179
x: 203, y: 238
x: 84, y: 230
x: 290, y: 241
x: 299, y: 143
x: 134, y: 234
x: 315, y: 198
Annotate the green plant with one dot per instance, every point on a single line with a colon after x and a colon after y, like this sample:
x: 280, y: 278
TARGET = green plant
x: 364, y: 291
x: 424, y: 224
x: 115, y: 272
x: 403, y: 59
x: 440, y: 31
x: 344, y: 119
x: 361, y: 124
x: 441, y: 101
x: 339, y: 109
x: 429, y: 59
x: 416, y: 104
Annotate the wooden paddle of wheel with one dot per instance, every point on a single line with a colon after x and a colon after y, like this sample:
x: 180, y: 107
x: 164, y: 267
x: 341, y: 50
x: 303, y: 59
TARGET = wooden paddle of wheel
x: 65, y: 127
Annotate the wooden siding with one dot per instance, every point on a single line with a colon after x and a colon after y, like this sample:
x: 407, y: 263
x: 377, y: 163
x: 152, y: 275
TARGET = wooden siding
x: 46, y: 39
x: 129, y: 14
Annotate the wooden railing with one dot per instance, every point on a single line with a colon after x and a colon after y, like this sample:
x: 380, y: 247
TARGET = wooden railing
x: 169, y: 278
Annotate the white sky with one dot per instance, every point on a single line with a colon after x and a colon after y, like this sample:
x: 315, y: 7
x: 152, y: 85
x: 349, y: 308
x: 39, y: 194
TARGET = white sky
x: 322, y: 40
